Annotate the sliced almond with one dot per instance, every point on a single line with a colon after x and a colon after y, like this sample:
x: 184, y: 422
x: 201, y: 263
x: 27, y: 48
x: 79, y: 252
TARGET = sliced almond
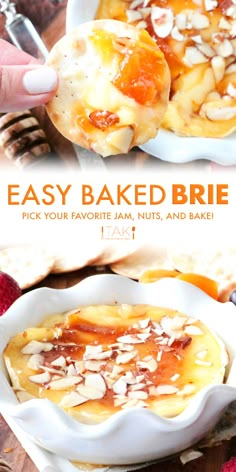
x: 150, y: 365
x: 133, y: 15
x: 141, y: 25
x: 51, y: 370
x: 193, y: 56
x: 126, y: 357
x: 59, y: 362
x: 40, y: 378
x: 122, y: 347
x: 71, y: 370
x: 121, y: 139
x: 80, y: 367
x: 89, y: 392
x: 94, y: 366
x: 210, y: 4
x: 138, y: 395
x: 203, y: 363
x: 162, y: 21
x: 145, y: 12
x: 231, y: 11
x: 206, y: 50
x: 201, y: 354
x: 138, y: 386
x: 97, y: 382
x: 72, y: 399
x: 173, y: 326
x: 166, y: 390
x: 65, y: 382
x: 130, y: 378
x: 117, y: 370
x: 175, y: 34
x: 193, y: 330
x: 120, y: 400
x: 190, y: 455
x: 159, y: 356
x: 35, y: 361
x: 231, y: 90
x: 35, y: 347
x: 175, y: 377
x: 143, y: 336
x: 224, y: 24
x: 181, y: 21
x: 218, y: 67
x: 135, y: 3
x: 120, y: 387
x: 225, y: 48
x: 217, y: 114
x: 144, y: 323
x: 129, y: 339
x: 188, y: 389
x: 199, y: 21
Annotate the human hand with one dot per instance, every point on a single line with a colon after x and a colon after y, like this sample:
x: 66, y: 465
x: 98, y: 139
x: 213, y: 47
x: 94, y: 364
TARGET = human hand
x: 24, y: 82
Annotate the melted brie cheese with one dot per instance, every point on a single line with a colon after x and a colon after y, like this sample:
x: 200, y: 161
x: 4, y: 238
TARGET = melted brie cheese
x: 100, y: 359
x: 198, y: 40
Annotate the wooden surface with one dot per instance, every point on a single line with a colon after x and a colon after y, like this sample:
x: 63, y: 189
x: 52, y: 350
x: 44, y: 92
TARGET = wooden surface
x: 13, y: 453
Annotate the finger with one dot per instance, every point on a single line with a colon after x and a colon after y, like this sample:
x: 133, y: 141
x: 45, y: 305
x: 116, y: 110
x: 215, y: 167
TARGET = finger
x: 10, y: 55
x: 25, y: 87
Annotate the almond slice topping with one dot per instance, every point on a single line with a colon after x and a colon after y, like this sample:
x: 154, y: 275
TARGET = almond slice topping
x: 65, y: 382
x: 97, y: 382
x: 35, y: 347
x: 138, y: 395
x: 166, y: 390
x: 120, y: 387
x: 193, y: 330
x: 162, y: 21
x: 59, y: 362
x: 35, y: 361
x: 72, y: 399
x: 40, y: 378
x: 126, y: 357
x: 129, y: 339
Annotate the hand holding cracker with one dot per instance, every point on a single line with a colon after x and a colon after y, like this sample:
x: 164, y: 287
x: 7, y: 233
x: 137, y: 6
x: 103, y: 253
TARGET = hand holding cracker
x: 24, y: 82
x: 113, y: 89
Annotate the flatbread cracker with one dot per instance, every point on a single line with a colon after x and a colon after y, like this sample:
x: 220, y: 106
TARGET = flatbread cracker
x: 28, y: 265
x: 74, y: 256
x: 217, y: 264
x: 144, y: 258
x: 115, y: 251
x: 113, y: 86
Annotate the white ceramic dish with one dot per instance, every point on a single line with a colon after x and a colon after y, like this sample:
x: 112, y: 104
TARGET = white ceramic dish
x: 166, y: 146
x: 109, y: 442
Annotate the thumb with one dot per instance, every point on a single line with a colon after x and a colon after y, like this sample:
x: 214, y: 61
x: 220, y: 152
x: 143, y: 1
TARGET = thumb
x: 26, y: 86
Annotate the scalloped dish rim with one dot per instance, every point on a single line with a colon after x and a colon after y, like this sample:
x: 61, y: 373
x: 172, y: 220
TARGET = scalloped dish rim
x: 116, y: 429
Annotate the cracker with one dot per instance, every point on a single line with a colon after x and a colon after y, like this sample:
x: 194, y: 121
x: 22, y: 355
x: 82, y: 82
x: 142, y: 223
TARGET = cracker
x: 28, y: 265
x: 74, y: 256
x: 144, y: 258
x: 217, y: 264
x: 115, y: 251
x: 113, y: 86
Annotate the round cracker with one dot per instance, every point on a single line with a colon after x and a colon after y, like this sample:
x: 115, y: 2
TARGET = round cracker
x: 218, y: 264
x: 106, y: 100
x: 74, y: 256
x: 28, y: 265
x: 115, y: 251
x: 144, y: 258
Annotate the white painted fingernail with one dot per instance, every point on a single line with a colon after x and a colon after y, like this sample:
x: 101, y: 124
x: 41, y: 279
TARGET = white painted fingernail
x: 40, y: 80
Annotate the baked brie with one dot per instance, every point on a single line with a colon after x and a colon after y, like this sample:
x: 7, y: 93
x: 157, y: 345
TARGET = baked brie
x: 198, y: 38
x: 98, y: 360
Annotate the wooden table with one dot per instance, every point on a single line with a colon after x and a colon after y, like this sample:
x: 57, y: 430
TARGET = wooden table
x: 13, y: 453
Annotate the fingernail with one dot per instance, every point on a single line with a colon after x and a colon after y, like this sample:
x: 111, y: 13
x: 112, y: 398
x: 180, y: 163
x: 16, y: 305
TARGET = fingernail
x: 40, y: 80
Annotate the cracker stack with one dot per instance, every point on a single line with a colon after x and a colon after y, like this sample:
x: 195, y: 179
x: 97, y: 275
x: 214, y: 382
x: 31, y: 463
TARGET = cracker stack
x: 4, y: 467
x: 22, y: 138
